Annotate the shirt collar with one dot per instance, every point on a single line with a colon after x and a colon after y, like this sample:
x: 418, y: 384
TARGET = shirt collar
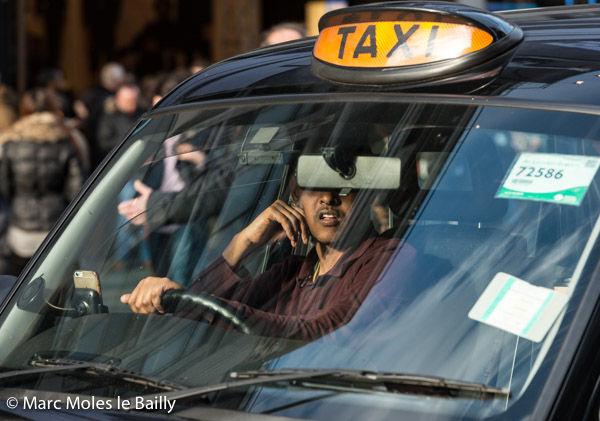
x: 342, y: 265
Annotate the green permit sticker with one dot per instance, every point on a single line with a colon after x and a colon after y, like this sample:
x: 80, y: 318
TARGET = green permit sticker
x: 547, y: 177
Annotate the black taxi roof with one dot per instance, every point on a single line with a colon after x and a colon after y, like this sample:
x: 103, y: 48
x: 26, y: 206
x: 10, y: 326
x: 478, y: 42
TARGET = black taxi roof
x: 556, y: 62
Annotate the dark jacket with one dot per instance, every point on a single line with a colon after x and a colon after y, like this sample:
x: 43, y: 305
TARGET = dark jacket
x: 39, y: 171
x: 94, y: 100
x: 112, y: 126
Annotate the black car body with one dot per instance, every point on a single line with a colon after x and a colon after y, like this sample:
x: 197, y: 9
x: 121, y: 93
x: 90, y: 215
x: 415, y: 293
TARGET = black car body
x: 482, y: 166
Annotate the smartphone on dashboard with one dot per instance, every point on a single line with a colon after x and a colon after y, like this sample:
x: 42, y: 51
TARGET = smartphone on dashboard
x: 87, y: 279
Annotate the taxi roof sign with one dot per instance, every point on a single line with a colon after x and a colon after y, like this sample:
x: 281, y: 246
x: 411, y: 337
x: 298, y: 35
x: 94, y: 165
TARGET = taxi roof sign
x: 398, y: 43
x: 405, y: 42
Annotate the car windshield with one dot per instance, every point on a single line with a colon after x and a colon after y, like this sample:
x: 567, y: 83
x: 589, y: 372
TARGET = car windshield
x: 475, y: 223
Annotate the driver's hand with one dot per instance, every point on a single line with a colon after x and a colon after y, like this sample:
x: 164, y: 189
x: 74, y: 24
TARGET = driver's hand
x: 145, y: 298
x: 276, y: 223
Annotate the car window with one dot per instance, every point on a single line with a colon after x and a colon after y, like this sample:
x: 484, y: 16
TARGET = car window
x: 485, y: 195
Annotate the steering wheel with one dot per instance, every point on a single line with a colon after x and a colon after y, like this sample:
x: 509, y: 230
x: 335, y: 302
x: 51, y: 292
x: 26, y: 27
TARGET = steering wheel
x: 197, y: 303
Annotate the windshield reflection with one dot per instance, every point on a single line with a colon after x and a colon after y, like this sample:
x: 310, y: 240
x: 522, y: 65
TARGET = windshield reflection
x: 329, y: 266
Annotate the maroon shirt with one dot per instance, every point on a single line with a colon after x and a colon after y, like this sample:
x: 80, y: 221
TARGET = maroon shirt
x: 284, y: 301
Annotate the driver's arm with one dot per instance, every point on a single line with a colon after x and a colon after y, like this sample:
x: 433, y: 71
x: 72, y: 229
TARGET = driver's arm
x: 276, y: 223
x: 338, y: 307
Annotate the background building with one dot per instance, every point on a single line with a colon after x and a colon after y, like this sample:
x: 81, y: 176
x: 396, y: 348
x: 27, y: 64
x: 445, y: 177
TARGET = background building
x: 147, y: 36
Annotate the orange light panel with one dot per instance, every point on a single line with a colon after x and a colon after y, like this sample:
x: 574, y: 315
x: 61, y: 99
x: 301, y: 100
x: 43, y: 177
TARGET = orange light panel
x: 396, y: 44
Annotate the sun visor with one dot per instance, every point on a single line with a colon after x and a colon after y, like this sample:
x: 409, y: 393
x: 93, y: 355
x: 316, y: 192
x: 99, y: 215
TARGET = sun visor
x: 370, y: 173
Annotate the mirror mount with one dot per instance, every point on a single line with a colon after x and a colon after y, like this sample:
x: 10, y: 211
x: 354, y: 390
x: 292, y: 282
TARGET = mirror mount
x: 338, y: 160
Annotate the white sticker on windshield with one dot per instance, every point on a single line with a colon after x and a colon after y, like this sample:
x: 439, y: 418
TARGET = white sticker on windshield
x: 518, y: 307
x: 549, y: 177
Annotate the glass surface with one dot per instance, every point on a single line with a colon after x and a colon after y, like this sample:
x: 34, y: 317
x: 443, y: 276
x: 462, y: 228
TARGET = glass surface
x: 445, y: 233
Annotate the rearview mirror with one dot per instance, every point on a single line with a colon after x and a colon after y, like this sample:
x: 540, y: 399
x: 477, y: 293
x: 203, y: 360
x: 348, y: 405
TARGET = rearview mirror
x: 372, y: 172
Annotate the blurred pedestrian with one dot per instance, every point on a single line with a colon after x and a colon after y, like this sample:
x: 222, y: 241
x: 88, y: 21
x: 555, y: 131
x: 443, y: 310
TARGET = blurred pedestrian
x: 153, y: 87
x: 40, y: 172
x: 283, y: 32
x: 9, y: 105
x: 120, y: 113
x: 166, y: 82
x: 54, y: 82
x: 9, y: 102
x: 91, y: 107
x: 169, y: 243
x: 199, y: 63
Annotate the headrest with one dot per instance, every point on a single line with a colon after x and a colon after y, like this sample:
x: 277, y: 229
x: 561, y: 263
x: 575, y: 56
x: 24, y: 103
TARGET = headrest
x: 465, y: 187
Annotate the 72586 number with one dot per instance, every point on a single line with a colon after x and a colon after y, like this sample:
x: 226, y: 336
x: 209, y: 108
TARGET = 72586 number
x: 540, y: 172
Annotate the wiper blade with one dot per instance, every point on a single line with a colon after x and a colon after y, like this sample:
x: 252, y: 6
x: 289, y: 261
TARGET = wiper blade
x: 22, y: 373
x: 204, y: 390
x: 355, y: 381
x: 377, y: 382
x: 49, y: 365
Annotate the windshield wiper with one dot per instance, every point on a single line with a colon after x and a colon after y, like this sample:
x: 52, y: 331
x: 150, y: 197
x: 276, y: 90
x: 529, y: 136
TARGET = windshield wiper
x: 376, y: 382
x: 354, y: 381
x: 50, y: 365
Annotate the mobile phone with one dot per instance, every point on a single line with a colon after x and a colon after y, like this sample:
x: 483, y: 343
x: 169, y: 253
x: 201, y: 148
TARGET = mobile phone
x: 87, y: 279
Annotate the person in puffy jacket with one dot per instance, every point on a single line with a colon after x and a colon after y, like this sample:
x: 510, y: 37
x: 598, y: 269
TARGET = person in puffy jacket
x: 40, y: 173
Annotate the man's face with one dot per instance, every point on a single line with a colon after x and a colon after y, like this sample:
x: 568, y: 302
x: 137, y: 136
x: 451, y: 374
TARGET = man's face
x: 127, y: 100
x: 325, y: 212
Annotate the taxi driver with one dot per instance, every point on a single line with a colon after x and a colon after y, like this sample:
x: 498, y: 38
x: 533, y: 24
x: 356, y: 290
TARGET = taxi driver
x: 302, y: 297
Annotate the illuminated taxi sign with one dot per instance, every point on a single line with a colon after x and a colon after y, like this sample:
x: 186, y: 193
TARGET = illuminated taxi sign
x: 398, y: 42
x: 394, y: 44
